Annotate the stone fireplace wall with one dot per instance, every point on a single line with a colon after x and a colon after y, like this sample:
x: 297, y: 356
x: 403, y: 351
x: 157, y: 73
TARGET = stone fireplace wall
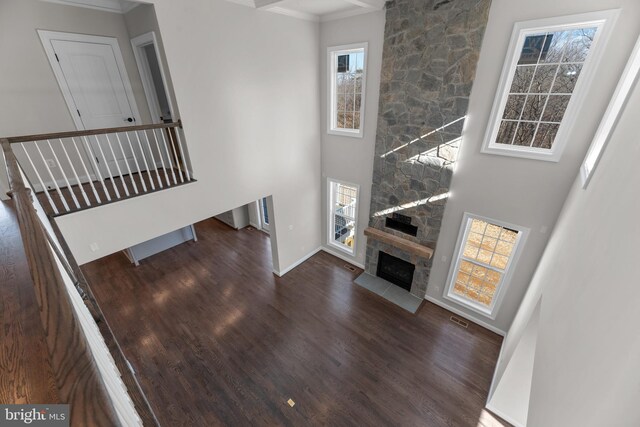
x: 431, y: 49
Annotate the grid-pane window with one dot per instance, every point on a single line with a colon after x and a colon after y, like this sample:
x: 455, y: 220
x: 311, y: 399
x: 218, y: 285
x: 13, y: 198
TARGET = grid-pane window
x: 347, y: 68
x: 485, y: 255
x: 343, y: 199
x: 544, y: 79
x: 549, y: 67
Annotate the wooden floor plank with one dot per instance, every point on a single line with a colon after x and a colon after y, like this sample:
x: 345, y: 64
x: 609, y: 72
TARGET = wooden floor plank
x: 25, y: 372
x: 217, y: 339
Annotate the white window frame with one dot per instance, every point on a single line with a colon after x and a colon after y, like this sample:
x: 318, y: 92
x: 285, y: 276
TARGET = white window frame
x: 501, y: 289
x: 604, y: 22
x: 331, y: 218
x: 610, y: 118
x: 332, y: 54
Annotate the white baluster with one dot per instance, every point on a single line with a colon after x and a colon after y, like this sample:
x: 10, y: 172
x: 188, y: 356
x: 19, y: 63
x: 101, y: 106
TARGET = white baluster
x: 113, y: 182
x: 182, y: 151
x: 84, y: 167
x: 53, y: 180
x: 153, y: 160
x: 144, y: 157
x: 166, y: 150
x: 94, y: 158
x: 64, y: 176
x: 44, y: 187
x: 124, y: 156
x: 135, y: 159
x: 75, y: 174
x: 164, y: 169
x: 124, y: 183
x: 173, y: 149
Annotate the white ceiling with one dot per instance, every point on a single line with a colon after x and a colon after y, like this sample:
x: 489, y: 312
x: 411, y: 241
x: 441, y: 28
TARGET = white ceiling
x: 315, y: 10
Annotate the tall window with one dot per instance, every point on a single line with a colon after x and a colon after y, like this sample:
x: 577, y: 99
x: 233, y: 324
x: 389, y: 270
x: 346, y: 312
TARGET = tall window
x: 536, y: 103
x: 346, y: 82
x: 343, y: 211
x: 486, y: 252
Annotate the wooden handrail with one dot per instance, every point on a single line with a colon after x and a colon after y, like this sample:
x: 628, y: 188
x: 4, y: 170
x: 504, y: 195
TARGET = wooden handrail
x: 76, y: 372
x: 77, y: 133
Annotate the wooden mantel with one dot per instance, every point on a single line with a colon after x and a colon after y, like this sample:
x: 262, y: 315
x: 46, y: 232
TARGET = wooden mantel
x: 400, y: 243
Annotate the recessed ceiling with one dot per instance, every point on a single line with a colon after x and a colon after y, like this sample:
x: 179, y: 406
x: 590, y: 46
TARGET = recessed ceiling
x: 315, y: 10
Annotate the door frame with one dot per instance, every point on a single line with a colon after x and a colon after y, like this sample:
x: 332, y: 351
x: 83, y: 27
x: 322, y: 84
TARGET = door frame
x: 264, y: 204
x: 138, y: 44
x: 46, y: 38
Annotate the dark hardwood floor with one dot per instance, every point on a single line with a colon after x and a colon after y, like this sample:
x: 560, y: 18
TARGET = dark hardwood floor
x: 25, y: 372
x: 217, y: 339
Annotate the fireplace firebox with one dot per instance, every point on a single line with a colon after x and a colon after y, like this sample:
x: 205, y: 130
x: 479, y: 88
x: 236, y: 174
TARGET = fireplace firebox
x: 395, y: 270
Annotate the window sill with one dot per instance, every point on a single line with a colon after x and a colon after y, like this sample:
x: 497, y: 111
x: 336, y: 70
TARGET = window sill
x: 349, y: 133
x: 342, y: 248
x: 522, y: 152
x: 470, y: 305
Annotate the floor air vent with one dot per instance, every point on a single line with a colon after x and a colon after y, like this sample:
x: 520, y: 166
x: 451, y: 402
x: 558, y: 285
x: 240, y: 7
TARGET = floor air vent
x: 349, y: 267
x: 459, y: 321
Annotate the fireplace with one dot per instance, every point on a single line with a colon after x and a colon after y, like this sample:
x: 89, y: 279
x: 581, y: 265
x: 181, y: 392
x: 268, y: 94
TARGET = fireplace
x: 395, y: 270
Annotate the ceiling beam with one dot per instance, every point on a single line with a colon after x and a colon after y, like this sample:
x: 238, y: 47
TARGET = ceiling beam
x: 367, y: 4
x: 267, y: 4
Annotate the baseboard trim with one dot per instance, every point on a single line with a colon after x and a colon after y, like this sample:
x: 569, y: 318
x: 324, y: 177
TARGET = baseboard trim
x: 297, y: 263
x: 466, y: 316
x: 342, y: 257
x: 503, y: 416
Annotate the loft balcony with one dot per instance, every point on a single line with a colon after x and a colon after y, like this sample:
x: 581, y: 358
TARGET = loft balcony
x: 74, y: 171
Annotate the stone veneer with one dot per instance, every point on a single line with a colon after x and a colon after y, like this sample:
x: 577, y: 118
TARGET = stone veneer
x: 431, y: 50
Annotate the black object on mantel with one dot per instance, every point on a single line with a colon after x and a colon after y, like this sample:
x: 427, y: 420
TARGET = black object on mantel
x: 401, y: 223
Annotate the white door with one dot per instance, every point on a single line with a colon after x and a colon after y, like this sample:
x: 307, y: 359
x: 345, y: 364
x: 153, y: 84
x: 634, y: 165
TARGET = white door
x: 92, y: 76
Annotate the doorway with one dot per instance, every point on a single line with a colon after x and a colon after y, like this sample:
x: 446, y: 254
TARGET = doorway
x: 264, y: 214
x: 149, y: 60
x: 94, y: 82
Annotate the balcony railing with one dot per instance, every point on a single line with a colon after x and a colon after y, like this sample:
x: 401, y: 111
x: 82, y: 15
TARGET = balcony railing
x: 72, y: 171
x: 91, y: 373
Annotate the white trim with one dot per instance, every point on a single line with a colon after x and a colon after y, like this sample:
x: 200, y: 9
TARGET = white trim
x: 138, y: 44
x: 46, y: 37
x: 294, y: 14
x: 264, y: 225
x: 343, y: 257
x: 492, y: 311
x: 334, y: 16
x: 332, y: 53
x: 503, y: 416
x: 610, y: 118
x: 367, y: 4
x: 113, y: 6
x: 266, y: 4
x: 465, y: 315
x: 604, y: 21
x: 331, y: 213
x: 297, y: 263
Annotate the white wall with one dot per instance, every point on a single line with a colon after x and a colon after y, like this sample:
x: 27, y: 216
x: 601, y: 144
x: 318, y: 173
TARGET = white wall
x: 344, y: 158
x: 525, y: 192
x: 247, y: 85
x: 587, y: 353
x: 31, y: 98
